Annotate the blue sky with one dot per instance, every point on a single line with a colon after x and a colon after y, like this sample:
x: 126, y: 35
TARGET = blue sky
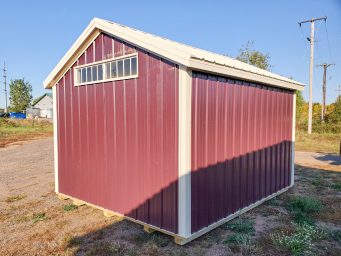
x: 36, y: 34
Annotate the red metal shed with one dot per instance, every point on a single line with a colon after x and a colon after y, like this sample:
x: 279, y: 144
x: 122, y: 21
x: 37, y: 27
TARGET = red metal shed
x: 176, y: 138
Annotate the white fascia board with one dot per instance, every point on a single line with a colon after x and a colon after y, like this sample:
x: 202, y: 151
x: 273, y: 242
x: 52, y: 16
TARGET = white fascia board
x: 209, y: 67
x: 167, y: 49
x: 141, y: 40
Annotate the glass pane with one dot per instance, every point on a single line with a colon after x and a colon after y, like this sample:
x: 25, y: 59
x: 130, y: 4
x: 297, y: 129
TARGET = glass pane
x: 127, y: 67
x: 88, y: 74
x: 113, y: 69
x: 133, y: 66
x: 100, y: 72
x: 94, y: 73
x: 79, y: 75
x: 107, y: 71
x: 120, y: 68
x: 83, y: 75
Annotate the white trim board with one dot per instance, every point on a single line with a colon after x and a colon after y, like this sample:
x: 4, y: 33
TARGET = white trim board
x: 55, y: 138
x: 293, y: 139
x: 184, y: 152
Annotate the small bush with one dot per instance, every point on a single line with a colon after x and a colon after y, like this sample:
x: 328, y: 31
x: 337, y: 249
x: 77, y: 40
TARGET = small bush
x: 12, y: 199
x: 39, y: 217
x: 70, y: 207
x: 302, y: 208
x: 241, y: 226
x: 300, y: 242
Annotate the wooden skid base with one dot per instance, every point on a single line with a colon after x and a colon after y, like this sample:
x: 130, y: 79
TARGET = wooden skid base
x: 177, y: 239
x: 148, y: 229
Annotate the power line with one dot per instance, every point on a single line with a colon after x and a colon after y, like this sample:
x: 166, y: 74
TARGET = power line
x: 329, y: 49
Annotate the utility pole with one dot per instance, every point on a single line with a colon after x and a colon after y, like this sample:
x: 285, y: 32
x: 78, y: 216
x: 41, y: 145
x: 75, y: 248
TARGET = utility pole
x: 5, y: 84
x: 324, y: 87
x: 311, y: 70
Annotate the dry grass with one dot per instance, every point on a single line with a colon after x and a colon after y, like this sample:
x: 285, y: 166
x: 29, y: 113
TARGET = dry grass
x: 326, y: 143
x: 12, y: 131
x: 15, y: 198
x: 41, y: 224
x: 46, y: 227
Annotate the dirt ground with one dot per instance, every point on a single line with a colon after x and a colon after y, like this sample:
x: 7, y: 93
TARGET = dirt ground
x: 34, y: 222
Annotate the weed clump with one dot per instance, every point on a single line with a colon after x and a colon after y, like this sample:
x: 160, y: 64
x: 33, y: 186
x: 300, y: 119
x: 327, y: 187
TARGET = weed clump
x: 303, y: 208
x: 241, y: 226
x: 300, y: 242
x: 39, y: 217
x: 12, y: 199
x: 336, y: 186
x: 336, y: 235
x: 70, y: 207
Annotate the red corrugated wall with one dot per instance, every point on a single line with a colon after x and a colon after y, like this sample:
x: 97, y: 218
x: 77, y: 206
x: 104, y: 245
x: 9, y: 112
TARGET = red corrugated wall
x: 241, y: 145
x: 118, y: 141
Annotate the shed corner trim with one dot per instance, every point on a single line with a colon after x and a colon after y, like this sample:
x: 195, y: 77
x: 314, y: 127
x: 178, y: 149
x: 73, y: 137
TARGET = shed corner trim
x: 184, y: 152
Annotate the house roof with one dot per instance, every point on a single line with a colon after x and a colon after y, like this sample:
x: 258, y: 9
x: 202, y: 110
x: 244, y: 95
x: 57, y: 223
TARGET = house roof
x: 191, y: 57
x: 36, y: 100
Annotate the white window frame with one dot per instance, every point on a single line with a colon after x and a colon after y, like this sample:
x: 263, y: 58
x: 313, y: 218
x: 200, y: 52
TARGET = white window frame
x: 103, y: 62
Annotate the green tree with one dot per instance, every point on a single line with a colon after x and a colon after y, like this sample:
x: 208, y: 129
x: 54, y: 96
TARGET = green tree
x: 20, y: 94
x: 300, y: 107
x: 335, y: 116
x: 248, y: 55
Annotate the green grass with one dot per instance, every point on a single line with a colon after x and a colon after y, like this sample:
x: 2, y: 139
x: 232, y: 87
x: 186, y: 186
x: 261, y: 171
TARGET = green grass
x: 70, y: 207
x: 21, y: 130
x: 303, y: 208
x: 336, y: 186
x: 12, y: 199
x: 336, y: 235
x: 319, y: 182
x: 39, y: 217
x: 315, y: 142
x: 300, y: 242
x: 238, y: 239
x: 241, y: 225
x: 243, y: 229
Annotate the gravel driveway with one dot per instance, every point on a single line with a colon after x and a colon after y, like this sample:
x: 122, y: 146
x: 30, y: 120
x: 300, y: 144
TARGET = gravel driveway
x: 21, y: 168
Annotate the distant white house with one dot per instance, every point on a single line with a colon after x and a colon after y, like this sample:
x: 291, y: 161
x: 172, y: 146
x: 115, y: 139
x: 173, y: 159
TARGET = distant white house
x: 44, y: 104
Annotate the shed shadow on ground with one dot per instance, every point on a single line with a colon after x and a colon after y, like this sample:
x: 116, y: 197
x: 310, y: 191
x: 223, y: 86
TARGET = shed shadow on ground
x: 332, y: 159
x: 211, y: 186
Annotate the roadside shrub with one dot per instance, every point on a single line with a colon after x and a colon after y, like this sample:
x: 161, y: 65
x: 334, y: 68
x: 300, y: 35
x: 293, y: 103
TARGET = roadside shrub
x: 303, y: 208
x: 300, y: 242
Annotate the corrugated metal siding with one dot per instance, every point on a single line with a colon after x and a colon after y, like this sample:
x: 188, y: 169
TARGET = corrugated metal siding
x: 241, y: 145
x: 118, y: 141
